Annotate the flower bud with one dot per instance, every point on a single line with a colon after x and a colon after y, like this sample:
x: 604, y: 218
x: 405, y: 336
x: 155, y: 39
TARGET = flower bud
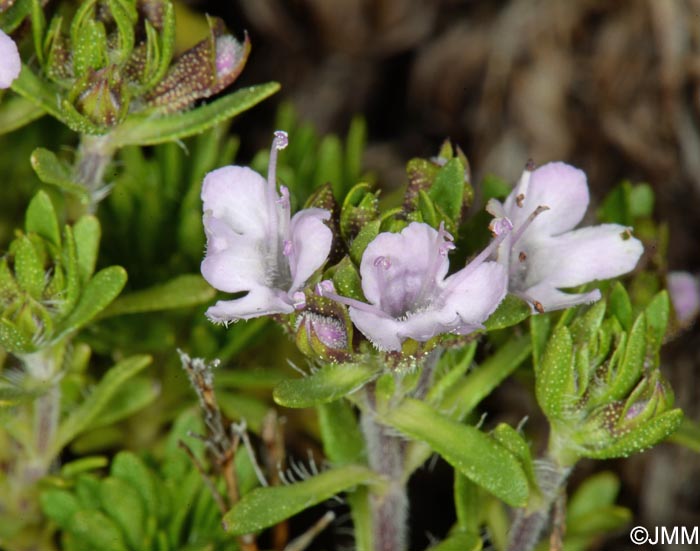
x: 202, y: 71
x: 651, y: 397
x: 324, y: 330
x: 102, y: 97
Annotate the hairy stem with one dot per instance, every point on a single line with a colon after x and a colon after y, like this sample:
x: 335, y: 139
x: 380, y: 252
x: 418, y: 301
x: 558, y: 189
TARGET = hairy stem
x: 94, y: 154
x: 527, y: 527
x: 386, y: 453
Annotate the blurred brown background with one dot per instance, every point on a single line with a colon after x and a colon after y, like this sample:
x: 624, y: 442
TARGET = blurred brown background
x: 610, y: 86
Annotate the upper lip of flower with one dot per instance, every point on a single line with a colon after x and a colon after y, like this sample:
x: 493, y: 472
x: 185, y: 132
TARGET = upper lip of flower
x: 403, y: 278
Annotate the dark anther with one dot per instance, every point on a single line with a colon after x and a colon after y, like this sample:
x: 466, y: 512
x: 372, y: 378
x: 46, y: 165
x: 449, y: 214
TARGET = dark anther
x: 522, y: 256
x: 519, y: 200
x: 538, y: 306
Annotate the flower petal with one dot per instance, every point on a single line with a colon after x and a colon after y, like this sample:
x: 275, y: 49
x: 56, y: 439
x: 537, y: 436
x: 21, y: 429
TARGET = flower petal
x: 551, y: 298
x: 477, y: 295
x: 382, y: 332
x: 233, y: 263
x: 239, y: 196
x: 397, y: 268
x: 10, y: 62
x: 260, y: 301
x: 311, y: 243
x: 582, y: 256
x: 562, y: 188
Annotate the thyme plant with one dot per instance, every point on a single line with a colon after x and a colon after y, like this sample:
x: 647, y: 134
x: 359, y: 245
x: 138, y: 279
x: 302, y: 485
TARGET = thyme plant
x: 401, y: 315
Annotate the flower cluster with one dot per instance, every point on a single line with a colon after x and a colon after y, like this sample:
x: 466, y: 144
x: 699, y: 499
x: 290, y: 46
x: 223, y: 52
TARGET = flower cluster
x: 254, y: 246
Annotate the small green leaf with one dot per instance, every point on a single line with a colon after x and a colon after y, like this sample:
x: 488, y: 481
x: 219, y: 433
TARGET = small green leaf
x: 540, y: 326
x: 514, y: 442
x: 41, y: 219
x: 451, y: 367
x: 146, y: 130
x: 180, y: 292
x: 16, y: 112
x: 329, y: 165
x: 42, y: 94
x: 657, y: 314
x: 641, y: 438
x: 354, y: 149
x: 82, y: 465
x: 366, y: 235
x: 347, y: 281
x: 133, y: 396
x: 632, y: 364
x: 426, y: 207
x: 466, y: 448
x: 467, y: 503
x: 331, y: 382
x: 555, y: 378
x: 13, y: 339
x: 87, y: 233
x: 98, y: 293
x: 53, y: 171
x: 620, y: 305
x: 122, y: 502
x: 59, y: 506
x: 129, y: 468
x: 94, y: 404
x: 97, y: 531
x: 464, y: 396
x: 341, y: 436
x: 511, y: 311
x: 268, y: 506
x: 448, y: 190
x: 29, y: 268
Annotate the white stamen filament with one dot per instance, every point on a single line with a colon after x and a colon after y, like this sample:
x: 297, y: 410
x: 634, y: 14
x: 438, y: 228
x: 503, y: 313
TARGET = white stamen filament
x: 503, y: 231
x: 326, y: 289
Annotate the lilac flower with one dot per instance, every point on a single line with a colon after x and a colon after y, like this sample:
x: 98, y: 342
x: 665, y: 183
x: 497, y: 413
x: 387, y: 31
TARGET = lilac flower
x: 403, y: 278
x: 10, y: 63
x: 253, y: 246
x: 684, y: 290
x: 544, y: 253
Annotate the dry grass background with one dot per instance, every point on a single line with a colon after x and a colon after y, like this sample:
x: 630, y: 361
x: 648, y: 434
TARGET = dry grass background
x: 610, y: 86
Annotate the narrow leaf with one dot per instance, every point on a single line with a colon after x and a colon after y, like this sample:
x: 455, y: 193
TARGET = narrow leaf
x: 469, y: 450
x: 326, y: 385
x: 98, y: 293
x: 93, y: 405
x: 145, y: 130
x: 180, y: 292
x: 41, y: 219
x: 268, y: 506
